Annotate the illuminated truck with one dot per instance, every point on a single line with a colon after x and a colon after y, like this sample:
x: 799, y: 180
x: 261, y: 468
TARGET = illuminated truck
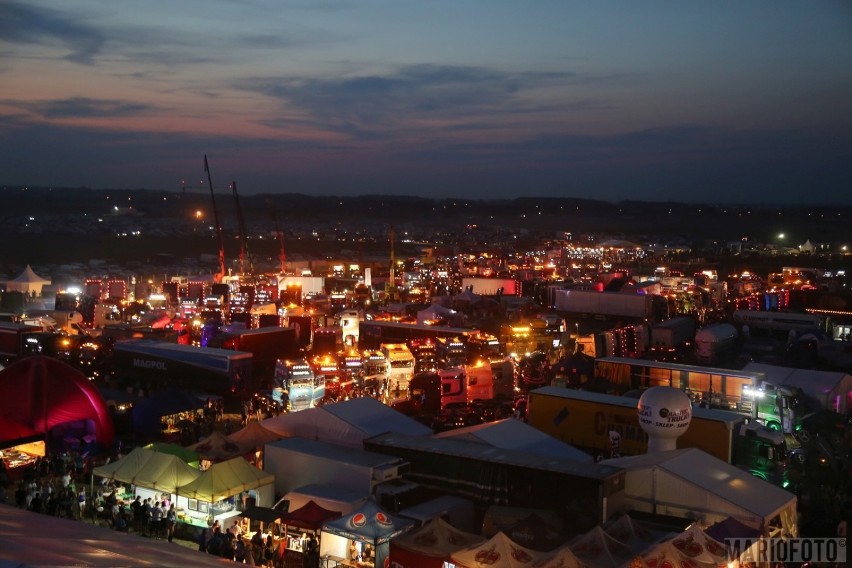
x: 296, y: 387
x: 400, y: 368
x: 608, y: 425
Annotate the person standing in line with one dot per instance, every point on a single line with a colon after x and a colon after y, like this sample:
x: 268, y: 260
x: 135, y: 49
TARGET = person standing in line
x: 156, y: 517
x: 171, y: 522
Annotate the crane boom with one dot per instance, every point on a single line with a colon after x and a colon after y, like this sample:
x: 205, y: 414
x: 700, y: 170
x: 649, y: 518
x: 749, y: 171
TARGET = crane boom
x: 242, y: 228
x: 217, y: 277
x: 282, y: 256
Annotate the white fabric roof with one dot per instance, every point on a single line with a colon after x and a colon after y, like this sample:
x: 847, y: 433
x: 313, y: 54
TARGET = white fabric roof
x: 689, y: 483
x: 33, y: 539
x: 346, y: 423
x: 26, y: 281
x: 830, y: 388
x: 512, y: 434
x: 228, y: 478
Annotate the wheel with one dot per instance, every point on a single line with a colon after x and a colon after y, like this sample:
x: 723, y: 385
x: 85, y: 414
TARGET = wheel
x: 804, y: 436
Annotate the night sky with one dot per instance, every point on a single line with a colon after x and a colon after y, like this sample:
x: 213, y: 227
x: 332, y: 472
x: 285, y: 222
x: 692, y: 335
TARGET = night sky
x: 696, y: 101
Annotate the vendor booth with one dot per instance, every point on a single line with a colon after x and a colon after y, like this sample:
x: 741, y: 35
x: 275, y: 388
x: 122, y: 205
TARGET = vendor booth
x: 225, y: 490
x: 430, y: 546
x: 362, y: 537
x: 298, y: 525
x: 637, y: 536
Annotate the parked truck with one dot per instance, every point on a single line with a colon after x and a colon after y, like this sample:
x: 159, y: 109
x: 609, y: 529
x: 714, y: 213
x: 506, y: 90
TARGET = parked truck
x: 203, y: 370
x: 608, y: 425
x: 400, y: 368
x: 13, y: 340
x: 266, y: 344
x: 480, y: 381
x: 642, y: 307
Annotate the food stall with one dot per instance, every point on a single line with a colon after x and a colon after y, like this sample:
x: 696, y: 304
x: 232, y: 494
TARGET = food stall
x: 362, y: 537
x: 299, y: 525
x: 223, y: 491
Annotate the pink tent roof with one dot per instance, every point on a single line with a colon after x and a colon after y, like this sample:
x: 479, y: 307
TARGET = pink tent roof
x: 42, y: 392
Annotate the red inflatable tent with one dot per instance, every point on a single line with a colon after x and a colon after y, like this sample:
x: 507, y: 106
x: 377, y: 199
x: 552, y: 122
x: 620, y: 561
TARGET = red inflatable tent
x: 42, y: 393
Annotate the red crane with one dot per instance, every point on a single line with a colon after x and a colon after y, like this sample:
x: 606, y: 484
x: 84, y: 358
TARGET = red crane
x: 221, y: 274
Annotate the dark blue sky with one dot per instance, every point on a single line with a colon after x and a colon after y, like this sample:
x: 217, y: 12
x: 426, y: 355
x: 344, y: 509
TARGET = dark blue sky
x: 722, y: 102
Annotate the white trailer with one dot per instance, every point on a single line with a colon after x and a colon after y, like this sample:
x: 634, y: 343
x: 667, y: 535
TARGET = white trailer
x: 298, y: 461
x: 714, y: 341
x: 648, y: 307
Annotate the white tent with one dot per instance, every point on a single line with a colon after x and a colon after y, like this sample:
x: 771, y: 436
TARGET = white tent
x: 599, y: 550
x: 347, y: 423
x: 499, y: 550
x: 637, y: 536
x: 512, y: 434
x: 149, y: 469
x: 691, y: 484
x: 832, y: 389
x: 692, y: 548
x: 27, y: 282
x: 227, y: 478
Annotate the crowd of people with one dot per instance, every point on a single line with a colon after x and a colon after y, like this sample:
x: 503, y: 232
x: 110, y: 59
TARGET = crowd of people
x: 233, y: 544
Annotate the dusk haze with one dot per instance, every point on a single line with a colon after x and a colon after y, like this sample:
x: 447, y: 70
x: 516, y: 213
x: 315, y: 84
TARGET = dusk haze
x: 723, y: 102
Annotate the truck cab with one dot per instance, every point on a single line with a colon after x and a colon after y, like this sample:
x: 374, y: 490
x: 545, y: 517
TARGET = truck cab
x: 296, y: 387
x: 763, y: 452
